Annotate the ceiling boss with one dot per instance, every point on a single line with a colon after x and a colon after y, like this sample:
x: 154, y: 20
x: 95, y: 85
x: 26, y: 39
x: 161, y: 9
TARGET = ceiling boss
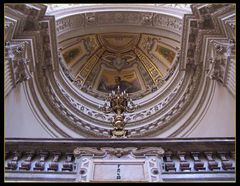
x: 118, y: 102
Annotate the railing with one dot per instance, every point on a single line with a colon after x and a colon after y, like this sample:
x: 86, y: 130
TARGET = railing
x: 191, y: 159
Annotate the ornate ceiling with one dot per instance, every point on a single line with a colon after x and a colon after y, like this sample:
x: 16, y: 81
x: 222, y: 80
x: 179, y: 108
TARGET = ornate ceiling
x: 138, y: 63
x: 75, y: 57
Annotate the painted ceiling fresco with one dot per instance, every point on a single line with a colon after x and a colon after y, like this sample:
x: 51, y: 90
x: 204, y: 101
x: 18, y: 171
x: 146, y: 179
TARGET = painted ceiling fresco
x: 99, y: 63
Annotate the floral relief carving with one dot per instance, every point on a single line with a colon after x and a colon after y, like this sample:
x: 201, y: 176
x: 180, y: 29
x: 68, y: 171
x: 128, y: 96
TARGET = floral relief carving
x: 167, y: 22
x: 130, y: 117
x: 115, y: 18
x: 118, y: 152
x: 63, y: 25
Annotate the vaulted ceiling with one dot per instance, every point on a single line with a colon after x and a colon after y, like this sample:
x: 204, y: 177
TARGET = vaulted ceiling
x: 138, y: 63
x: 132, y: 49
x: 78, y: 54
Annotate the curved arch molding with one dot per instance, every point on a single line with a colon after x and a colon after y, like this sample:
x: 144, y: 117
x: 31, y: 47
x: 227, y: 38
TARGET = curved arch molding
x: 172, y: 110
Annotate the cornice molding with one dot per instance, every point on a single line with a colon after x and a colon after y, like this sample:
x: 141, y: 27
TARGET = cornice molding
x: 176, y: 10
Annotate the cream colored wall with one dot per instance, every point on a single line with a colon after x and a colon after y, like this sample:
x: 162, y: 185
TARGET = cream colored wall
x: 19, y: 119
x: 220, y: 119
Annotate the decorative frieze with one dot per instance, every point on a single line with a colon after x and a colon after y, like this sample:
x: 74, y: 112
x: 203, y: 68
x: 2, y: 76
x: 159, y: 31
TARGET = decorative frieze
x: 147, y: 19
x: 40, y: 165
x: 119, y: 152
x: 68, y: 164
x: 116, y: 160
x: 79, y: 151
x: 68, y: 23
x: 184, y: 164
x: 167, y: 22
x: 90, y: 18
x: 169, y: 164
x: 168, y: 116
x: 38, y: 161
x: 198, y: 164
x: 212, y: 164
x: 226, y: 163
x: 13, y: 164
x: 26, y: 165
x: 54, y: 165
x: 153, y: 20
x: 67, y: 73
x: 75, y: 123
x: 171, y: 160
x: 129, y: 117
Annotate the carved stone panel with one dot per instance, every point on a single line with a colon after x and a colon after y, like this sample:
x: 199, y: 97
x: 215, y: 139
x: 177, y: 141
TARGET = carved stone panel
x: 118, y: 164
x: 119, y: 170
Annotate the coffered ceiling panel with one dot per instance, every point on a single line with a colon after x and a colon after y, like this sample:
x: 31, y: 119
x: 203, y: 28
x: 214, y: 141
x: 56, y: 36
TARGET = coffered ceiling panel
x: 133, y: 61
